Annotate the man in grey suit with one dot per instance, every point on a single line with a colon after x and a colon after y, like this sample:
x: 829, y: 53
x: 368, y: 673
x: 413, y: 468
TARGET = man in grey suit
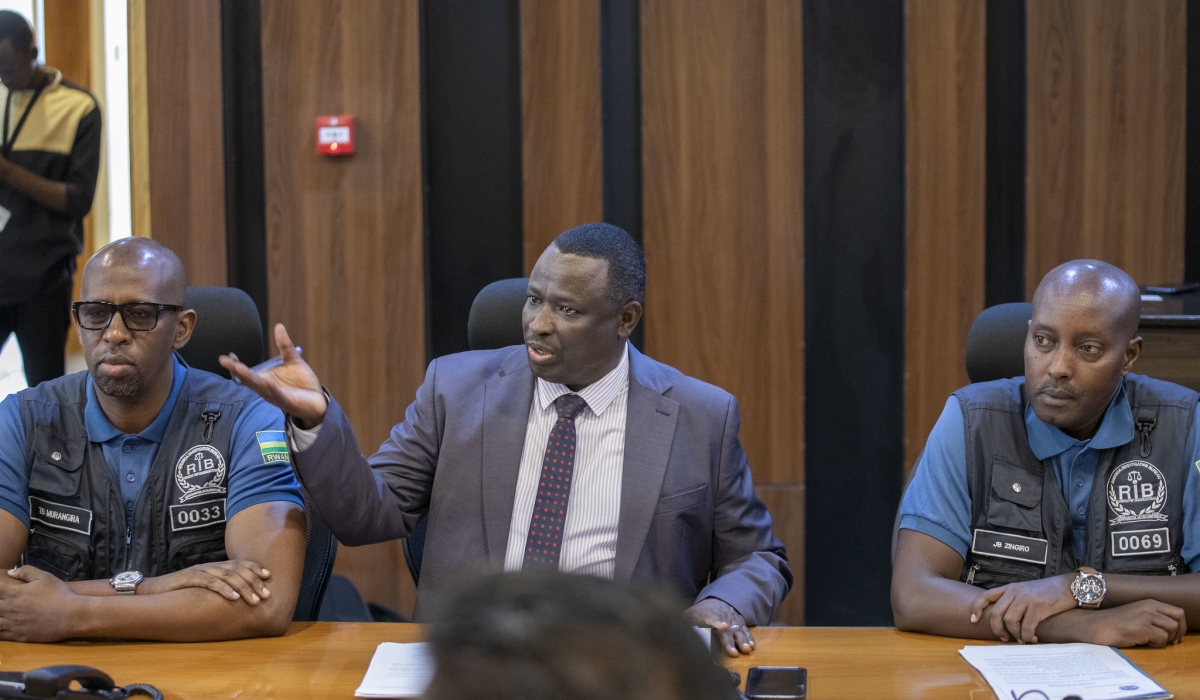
x: 574, y: 451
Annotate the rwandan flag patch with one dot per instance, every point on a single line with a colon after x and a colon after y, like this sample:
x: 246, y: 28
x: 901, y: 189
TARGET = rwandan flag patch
x: 273, y: 445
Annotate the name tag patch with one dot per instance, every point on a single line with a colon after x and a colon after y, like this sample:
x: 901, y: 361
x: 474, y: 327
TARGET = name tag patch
x: 196, y: 515
x: 60, y: 516
x: 1006, y: 546
x: 1131, y: 543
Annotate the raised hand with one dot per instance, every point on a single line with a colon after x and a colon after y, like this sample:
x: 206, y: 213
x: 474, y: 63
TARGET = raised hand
x: 291, y: 385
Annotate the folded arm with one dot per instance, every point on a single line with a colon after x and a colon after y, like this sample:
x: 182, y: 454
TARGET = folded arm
x: 36, y: 606
x: 928, y: 597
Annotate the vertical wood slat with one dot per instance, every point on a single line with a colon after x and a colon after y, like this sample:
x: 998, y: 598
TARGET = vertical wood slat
x: 186, y: 162
x: 945, y: 110
x: 1107, y: 107
x: 139, y: 121
x: 69, y: 49
x: 723, y: 178
x: 344, y: 235
x: 560, y: 99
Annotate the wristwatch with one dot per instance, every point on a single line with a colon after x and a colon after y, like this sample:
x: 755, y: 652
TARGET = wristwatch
x: 1089, y: 588
x: 126, y: 582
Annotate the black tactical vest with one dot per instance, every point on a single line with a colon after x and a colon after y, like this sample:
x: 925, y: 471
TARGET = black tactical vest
x: 77, y: 515
x: 1020, y: 523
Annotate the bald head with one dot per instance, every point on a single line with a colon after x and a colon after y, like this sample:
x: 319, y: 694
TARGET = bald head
x: 1095, y: 284
x: 1082, y: 341
x: 159, y: 268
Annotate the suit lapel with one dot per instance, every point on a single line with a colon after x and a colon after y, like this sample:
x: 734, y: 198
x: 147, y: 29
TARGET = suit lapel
x: 506, y: 402
x: 649, y: 430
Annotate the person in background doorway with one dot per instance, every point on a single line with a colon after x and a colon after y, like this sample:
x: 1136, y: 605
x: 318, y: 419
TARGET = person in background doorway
x: 49, y: 158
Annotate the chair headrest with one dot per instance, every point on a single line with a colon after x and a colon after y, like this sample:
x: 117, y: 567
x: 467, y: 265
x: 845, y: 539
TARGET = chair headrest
x: 996, y: 342
x: 226, y: 321
x: 495, y: 320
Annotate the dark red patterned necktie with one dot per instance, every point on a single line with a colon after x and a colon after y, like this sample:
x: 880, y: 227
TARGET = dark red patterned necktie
x: 544, y: 541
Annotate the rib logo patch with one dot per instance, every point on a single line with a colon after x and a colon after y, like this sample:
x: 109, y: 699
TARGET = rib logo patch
x: 273, y: 445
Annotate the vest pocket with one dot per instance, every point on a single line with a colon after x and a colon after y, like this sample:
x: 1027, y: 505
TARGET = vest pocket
x: 1015, y: 502
x: 56, y: 466
x: 57, y: 555
x: 200, y: 550
x: 990, y: 573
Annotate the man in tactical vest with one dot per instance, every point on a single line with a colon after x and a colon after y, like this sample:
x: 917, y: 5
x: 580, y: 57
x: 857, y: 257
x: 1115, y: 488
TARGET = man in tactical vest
x: 1063, y: 506
x: 145, y: 499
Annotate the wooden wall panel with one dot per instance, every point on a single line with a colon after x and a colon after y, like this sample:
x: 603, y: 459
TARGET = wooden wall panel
x: 560, y: 109
x: 944, y: 82
x: 344, y: 235
x: 1106, y: 112
x: 69, y: 49
x: 186, y: 156
x: 723, y: 177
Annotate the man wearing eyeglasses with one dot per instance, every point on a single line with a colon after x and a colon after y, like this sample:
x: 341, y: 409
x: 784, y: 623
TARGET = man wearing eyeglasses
x: 145, y: 499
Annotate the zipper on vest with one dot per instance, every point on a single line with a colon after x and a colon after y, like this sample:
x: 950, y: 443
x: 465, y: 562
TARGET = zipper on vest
x: 1172, y: 569
x: 971, y: 574
x: 128, y: 548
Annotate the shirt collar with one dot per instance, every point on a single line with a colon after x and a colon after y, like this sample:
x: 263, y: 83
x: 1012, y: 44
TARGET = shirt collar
x: 1116, y: 429
x: 99, y: 429
x: 599, y: 395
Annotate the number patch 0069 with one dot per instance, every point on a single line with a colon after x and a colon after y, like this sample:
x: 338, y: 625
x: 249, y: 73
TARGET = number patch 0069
x: 1130, y: 543
x: 196, y: 515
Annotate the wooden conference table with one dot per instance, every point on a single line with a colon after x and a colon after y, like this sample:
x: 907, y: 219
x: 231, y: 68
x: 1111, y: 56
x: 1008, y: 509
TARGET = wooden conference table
x: 328, y: 660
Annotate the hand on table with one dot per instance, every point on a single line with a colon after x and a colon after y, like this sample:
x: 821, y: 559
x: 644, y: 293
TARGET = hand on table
x: 35, y: 606
x: 719, y: 615
x: 1146, y: 622
x: 232, y: 580
x: 292, y: 385
x: 1018, y: 608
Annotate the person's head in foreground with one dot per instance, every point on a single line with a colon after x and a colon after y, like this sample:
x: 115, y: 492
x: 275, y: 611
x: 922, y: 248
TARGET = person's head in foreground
x: 546, y: 635
x: 1082, y: 340
x: 585, y: 298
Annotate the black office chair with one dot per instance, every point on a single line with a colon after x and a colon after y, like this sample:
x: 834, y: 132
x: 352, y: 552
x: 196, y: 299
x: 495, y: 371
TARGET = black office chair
x: 996, y: 342
x: 494, y: 322
x: 320, y: 551
x: 995, y: 350
x: 226, y: 321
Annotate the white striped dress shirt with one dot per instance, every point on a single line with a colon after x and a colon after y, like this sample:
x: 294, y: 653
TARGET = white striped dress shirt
x: 589, y: 543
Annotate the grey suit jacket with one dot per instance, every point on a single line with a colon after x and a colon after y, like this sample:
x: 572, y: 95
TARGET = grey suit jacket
x: 689, y: 516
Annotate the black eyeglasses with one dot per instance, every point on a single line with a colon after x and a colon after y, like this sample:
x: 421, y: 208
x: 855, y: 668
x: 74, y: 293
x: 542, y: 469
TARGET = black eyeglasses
x: 137, y: 315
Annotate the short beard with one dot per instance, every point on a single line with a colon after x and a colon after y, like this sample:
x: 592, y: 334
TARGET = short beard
x: 120, y: 388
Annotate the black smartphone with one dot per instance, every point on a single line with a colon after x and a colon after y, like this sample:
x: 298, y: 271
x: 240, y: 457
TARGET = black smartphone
x: 789, y: 682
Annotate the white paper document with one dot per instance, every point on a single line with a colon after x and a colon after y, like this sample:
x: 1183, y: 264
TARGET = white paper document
x: 397, y: 671
x: 1056, y: 671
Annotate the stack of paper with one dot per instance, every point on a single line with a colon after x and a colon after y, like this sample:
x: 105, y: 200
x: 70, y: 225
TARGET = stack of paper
x: 1056, y: 671
x: 397, y: 671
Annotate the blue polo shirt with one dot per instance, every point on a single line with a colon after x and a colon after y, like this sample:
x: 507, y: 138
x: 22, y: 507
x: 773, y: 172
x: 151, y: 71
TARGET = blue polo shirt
x: 937, y: 502
x: 130, y: 457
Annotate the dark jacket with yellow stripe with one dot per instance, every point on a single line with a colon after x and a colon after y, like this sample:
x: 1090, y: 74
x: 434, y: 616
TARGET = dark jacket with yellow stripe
x: 60, y: 140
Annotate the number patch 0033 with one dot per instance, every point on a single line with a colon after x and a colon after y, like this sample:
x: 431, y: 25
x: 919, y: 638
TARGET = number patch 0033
x: 196, y: 515
x: 1130, y: 543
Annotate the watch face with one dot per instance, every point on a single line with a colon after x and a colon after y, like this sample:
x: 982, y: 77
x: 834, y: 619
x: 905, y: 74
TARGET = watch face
x: 126, y: 578
x: 1089, y: 588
